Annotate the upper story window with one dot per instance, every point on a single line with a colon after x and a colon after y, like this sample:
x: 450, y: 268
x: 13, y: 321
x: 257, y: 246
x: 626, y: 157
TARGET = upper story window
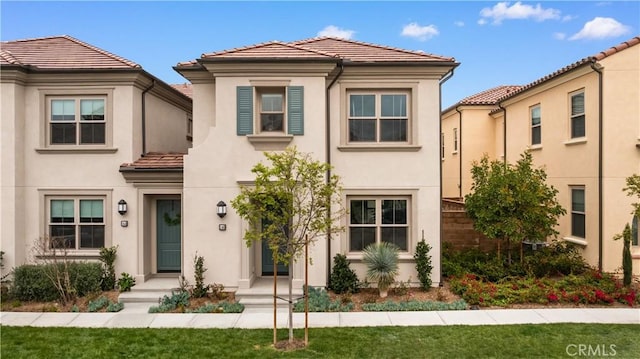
x: 536, y: 125
x: 378, y: 219
x: 190, y: 127
x: 77, y: 121
x: 442, y: 145
x: 455, y: 140
x: 76, y: 222
x: 270, y: 110
x: 378, y: 117
x: 578, y: 125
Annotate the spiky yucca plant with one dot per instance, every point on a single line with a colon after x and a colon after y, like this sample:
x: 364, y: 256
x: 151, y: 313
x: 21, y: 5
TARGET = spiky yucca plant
x: 382, y: 265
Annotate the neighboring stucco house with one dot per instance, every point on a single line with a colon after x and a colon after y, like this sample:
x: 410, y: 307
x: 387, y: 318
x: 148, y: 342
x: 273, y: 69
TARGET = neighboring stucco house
x: 582, y: 124
x: 71, y: 115
x: 370, y: 111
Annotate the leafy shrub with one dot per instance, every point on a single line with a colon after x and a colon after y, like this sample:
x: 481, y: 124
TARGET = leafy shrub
x: 31, y: 282
x: 221, y: 307
x: 319, y: 301
x: 423, y: 264
x: 382, y: 264
x: 96, y: 305
x: 402, y: 288
x: 126, y: 282
x: 168, y: 304
x: 200, y: 289
x: 115, y: 307
x: 108, y: 259
x: 558, y: 258
x: 343, y: 279
x: 413, y: 305
x: 75, y: 309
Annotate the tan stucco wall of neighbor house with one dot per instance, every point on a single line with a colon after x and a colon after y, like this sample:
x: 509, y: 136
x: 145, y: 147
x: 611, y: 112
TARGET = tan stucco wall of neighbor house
x: 621, y: 154
x: 166, y: 132
x: 477, y: 136
x: 51, y: 170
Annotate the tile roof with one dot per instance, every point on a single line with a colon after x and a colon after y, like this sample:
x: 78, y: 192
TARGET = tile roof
x: 60, y: 52
x: 357, y: 51
x: 155, y: 161
x: 186, y: 89
x: 585, y: 61
x: 326, y: 48
x: 490, y: 96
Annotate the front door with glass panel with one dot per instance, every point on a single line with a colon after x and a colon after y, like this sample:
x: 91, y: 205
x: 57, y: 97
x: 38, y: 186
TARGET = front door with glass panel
x: 168, y: 235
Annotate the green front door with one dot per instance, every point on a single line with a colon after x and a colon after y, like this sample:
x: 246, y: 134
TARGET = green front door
x: 267, y: 260
x: 168, y: 235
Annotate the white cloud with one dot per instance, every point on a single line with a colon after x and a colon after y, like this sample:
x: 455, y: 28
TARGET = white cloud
x: 482, y: 22
x: 601, y: 28
x: 559, y: 35
x: 502, y: 11
x: 421, y: 33
x: 603, y: 3
x: 459, y: 23
x: 567, y: 18
x: 334, y: 31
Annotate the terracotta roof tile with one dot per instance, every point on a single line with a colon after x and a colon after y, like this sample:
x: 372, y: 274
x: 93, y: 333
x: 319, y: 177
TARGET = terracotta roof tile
x: 186, y: 89
x: 61, y: 52
x: 490, y: 96
x: 587, y: 60
x: 358, y: 51
x: 323, y: 48
x: 155, y: 161
x: 270, y: 50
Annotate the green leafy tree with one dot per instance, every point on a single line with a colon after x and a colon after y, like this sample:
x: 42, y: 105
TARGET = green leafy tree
x: 633, y: 189
x: 512, y: 202
x: 290, y: 206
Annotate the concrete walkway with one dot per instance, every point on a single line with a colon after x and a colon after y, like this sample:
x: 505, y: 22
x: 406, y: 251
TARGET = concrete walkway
x: 136, y: 317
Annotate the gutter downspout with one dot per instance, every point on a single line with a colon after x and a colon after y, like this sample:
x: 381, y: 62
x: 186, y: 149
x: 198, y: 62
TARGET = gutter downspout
x: 598, y: 69
x: 444, y: 79
x: 504, y: 133
x: 328, y: 157
x: 459, y: 151
x: 144, y: 118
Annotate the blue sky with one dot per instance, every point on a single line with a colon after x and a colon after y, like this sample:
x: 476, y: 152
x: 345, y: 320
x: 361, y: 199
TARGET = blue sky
x: 497, y: 43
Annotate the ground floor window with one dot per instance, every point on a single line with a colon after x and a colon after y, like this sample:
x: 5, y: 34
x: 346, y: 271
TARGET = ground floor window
x: 578, y: 214
x: 634, y: 231
x: 76, y: 222
x: 378, y: 219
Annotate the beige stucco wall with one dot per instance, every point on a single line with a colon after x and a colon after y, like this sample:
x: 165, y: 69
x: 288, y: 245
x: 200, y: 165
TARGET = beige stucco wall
x: 75, y: 171
x: 621, y: 155
x: 451, y: 161
x: 165, y: 131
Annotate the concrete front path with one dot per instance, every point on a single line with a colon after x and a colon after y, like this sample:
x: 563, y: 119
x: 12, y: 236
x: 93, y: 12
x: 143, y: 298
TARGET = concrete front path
x: 133, y: 317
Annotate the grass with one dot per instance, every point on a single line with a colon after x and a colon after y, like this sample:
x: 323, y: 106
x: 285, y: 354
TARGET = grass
x: 511, y: 341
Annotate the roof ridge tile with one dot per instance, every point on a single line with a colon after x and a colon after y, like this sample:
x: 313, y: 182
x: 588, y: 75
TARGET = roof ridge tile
x: 104, y: 52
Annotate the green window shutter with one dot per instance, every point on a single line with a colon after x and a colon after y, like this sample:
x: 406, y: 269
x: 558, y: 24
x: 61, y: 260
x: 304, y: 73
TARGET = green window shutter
x: 295, y: 110
x: 245, y: 110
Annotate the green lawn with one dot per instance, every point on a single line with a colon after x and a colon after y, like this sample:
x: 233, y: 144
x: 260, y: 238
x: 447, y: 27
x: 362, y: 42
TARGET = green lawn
x: 513, y: 341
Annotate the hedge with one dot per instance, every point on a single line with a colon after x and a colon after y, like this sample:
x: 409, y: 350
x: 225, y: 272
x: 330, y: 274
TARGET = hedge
x: 30, y: 282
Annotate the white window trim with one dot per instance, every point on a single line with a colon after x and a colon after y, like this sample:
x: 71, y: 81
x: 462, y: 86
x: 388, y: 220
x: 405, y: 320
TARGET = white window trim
x: 532, y: 126
x: 410, y: 88
x: 455, y: 141
x: 47, y: 94
x: 412, y: 218
x: 46, y: 195
x: 258, y: 92
x: 571, y: 237
x: 572, y: 139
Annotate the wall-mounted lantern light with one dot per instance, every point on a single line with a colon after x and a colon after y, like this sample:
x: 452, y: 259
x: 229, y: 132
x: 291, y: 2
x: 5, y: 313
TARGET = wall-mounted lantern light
x: 222, y: 209
x: 122, y: 207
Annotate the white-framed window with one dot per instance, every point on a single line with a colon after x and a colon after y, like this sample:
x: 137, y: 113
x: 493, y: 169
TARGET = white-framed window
x: 536, y: 125
x: 190, y: 127
x: 271, y: 109
x: 578, y: 212
x: 76, y: 222
x: 455, y: 140
x: 376, y: 219
x: 76, y: 120
x: 442, y: 145
x: 378, y: 116
x: 634, y: 231
x: 578, y: 124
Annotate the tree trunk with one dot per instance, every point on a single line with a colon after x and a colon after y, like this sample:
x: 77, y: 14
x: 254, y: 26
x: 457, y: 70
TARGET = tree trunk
x: 521, y: 252
x: 499, y: 241
x: 290, y: 303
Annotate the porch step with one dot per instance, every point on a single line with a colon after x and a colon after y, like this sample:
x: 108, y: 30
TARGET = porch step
x: 260, y: 295
x: 144, y: 296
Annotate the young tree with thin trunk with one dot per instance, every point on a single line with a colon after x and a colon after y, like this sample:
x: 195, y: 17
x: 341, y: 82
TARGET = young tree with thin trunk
x: 290, y: 206
x: 512, y: 202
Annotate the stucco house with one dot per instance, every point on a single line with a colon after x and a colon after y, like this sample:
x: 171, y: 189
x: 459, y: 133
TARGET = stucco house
x: 371, y: 111
x: 582, y: 123
x: 72, y: 114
